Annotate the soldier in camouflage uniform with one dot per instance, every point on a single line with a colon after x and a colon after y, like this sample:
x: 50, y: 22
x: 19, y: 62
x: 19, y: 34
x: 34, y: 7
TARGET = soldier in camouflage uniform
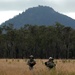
x: 50, y: 63
x: 31, y: 62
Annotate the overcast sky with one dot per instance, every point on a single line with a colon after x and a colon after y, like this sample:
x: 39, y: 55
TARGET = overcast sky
x: 10, y: 8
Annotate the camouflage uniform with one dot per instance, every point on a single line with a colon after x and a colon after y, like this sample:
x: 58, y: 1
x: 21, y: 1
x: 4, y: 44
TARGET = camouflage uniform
x: 50, y: 63
x: 31, y: 62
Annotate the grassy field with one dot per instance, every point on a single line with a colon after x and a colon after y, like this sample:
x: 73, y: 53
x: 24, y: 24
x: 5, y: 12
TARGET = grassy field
x: 20, y: 67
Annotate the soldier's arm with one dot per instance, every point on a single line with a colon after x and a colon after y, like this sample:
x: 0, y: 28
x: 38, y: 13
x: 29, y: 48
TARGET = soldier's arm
x: 34, y: 61
x: 28, y: 62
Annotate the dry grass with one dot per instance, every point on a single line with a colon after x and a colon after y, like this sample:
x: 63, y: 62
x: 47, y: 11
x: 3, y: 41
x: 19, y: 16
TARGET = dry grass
x: 20, y: 67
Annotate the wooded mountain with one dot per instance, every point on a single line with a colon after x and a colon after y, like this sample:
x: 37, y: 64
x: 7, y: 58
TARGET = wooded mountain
x: 41, y: 15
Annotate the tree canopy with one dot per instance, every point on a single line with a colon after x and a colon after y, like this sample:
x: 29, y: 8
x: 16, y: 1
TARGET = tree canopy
x: 57, y: 41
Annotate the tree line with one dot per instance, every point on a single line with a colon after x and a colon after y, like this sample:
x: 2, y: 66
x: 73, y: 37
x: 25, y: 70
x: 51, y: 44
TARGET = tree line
x: 57, y: 41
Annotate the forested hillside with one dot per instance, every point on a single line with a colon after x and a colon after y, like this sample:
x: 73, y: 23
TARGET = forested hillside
x: 41, y: 41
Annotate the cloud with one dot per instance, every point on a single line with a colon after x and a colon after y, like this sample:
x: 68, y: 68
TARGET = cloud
x: 13, y: 5
x: 5, y: 15
x: 64, y: 5
x: 20, y: 5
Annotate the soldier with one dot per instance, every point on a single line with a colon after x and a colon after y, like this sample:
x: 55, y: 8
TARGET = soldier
x: 50, y: 63
x: 31, y: 62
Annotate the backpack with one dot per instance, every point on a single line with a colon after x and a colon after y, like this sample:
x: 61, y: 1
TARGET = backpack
x: 50, y: 64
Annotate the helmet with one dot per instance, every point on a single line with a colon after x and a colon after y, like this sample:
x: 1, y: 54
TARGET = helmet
x: 31, y: 56
x: 50, y: 58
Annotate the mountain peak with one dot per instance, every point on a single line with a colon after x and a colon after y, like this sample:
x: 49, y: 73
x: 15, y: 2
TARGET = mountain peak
x: 40, y: 15
x: 41, y: 8
x: 46, y: 7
